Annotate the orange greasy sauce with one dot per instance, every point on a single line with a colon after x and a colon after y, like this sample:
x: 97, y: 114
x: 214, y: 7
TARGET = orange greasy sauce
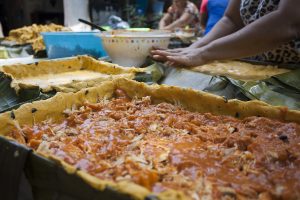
x: 163, y: 146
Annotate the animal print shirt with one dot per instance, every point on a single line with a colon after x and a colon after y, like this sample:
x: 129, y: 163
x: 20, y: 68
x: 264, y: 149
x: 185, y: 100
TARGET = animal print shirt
x: 252, y: 10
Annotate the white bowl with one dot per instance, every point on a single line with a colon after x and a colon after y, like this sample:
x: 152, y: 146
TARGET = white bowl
x: 131, y: 48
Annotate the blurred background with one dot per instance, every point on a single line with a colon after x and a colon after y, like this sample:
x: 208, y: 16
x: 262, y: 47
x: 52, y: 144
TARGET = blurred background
x: 138, y: 13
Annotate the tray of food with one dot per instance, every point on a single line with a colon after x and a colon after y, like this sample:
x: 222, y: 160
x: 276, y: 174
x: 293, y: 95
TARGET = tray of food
x: 129, y: 140
x: 66, y: 75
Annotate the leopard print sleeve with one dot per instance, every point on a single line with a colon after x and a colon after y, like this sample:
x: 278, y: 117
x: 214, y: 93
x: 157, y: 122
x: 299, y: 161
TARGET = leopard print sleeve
x: 252, y: 10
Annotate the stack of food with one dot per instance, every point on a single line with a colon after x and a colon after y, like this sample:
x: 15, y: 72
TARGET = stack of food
x: 31, y: 35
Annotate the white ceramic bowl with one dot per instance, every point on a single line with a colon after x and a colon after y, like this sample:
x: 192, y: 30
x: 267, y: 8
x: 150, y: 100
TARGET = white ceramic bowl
x: 131, y: 48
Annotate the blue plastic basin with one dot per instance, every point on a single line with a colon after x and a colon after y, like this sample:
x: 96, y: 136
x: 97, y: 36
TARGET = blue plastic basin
x: 66, y: 44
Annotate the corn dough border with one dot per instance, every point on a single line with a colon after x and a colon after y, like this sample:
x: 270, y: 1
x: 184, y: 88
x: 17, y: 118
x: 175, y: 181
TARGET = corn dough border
x: 189, y: 99
x: 240, y: 70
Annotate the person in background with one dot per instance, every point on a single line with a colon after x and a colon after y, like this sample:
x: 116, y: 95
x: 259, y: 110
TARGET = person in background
x: 1, y: 32
x: 266, y: 30
x: 167, y: 4
x: 180, y: 14
x: 211, y: 11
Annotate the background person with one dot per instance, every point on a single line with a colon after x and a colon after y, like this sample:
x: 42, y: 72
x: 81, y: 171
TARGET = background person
x: 180, y: 14
x: 211, y: 11
x: 269, y: 30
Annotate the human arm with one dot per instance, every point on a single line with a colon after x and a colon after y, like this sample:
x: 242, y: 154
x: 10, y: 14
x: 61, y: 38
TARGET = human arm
x: 266, y: 33
x: 229, y: 23
x: 166, y: 19
x: 184, y: 19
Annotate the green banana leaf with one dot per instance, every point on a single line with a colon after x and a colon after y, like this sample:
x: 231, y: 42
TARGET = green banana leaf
x: 18, y: 51
x: 222, y: 87
x: 153, y: 74
x: 280, y: 90
x: 291, y: 78
x: 9, y: 99
x: 3, y: 53
x: 199, y: 81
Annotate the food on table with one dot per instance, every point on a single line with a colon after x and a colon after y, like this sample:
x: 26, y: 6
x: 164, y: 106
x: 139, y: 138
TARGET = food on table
x: 31, y: 34
x: 162, y: 146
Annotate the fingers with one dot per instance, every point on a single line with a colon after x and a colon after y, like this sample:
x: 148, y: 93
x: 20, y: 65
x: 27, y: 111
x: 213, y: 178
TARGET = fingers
x: 172, y: 57
x: 184, y: 57
x: 187, y: 60
x: 167, y: 53
x: 159, y: 55
x: 160, y: 52
x: 155, y: 53
x: 159, y: 58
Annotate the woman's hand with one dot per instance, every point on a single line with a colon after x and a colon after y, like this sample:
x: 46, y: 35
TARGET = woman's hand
x: 183, y: 57
x: 189, y: 58
x: 160, y: 54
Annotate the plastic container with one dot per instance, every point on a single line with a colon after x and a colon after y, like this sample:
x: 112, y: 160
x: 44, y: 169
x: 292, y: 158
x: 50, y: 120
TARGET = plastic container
x: 66, y: 44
